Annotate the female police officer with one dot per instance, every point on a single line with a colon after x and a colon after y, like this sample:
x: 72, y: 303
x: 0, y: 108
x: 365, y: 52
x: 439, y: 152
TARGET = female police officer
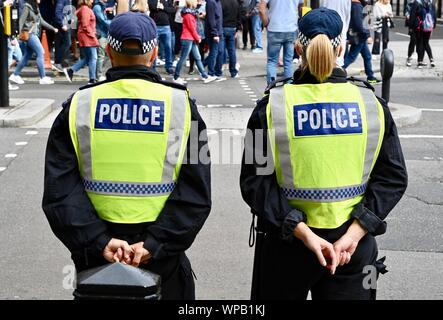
x: 339, y: 170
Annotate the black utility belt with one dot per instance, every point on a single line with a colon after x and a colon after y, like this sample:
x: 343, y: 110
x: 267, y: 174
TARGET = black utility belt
x: 127, y: 229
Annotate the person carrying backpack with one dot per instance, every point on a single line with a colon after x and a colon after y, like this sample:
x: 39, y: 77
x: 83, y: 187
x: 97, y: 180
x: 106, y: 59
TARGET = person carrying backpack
x: 427, y: 24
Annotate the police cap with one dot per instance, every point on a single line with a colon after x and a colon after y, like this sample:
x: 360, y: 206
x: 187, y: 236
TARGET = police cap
x: 320, y: 21
x: 132, y: 26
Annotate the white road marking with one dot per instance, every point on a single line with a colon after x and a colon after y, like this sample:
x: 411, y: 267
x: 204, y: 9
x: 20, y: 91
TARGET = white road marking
x: 428, y: 158
x: 21, y: 143
x: 402, y: 34
x: 31, y: 132
x: 2, y: 169
x: 211, y: 132
x: 229, y: 105
x: 10, y: 155
x: 432, y: 110
x: 250, y: 92
x: 420, y: 136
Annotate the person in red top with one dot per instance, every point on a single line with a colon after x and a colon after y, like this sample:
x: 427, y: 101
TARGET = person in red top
x: 87, y: 41
x: 189, y: 41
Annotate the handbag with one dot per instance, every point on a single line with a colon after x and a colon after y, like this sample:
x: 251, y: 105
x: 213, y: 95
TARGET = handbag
x: 391, y: 24
x: 24, y: 34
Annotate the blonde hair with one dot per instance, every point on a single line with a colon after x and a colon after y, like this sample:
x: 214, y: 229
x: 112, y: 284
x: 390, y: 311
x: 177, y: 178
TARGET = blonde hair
x: 191, y: 3
x: 319, y: 57
x: 385, y: 1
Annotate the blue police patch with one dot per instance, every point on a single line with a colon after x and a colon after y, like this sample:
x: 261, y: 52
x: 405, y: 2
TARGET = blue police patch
x: 130, y: 114
x: 317, y: 119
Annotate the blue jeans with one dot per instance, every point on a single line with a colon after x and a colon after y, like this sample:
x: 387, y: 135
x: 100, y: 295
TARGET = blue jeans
x: 256, y: 25
x: 89, y: 55
x: 14, y: 52
x: 276, y: 40
x: 214, y: 61
x: 189, y: 46
x: 229, y: 42
x: 62, y: 45
x: 363, y: 49
x: 33, y: 45
x: 164, y: 39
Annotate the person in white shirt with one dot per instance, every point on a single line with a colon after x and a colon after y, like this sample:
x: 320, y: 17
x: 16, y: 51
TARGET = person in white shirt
x: 382, y: 12
x: 343, y: 8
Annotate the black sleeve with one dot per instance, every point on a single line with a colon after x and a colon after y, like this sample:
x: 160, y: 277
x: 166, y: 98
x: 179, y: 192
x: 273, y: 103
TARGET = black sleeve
x: 152, y: 4
x: 168, y: 7
x: 238, y: 23
x: 387, y: 183
x: 189, y: 204
x: 259, y: 187
x: 357, y: 20
x: 68, y: 209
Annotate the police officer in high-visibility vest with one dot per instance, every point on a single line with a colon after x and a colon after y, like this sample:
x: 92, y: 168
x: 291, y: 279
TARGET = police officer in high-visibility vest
x: 339, y: 171
x: 122, y: 182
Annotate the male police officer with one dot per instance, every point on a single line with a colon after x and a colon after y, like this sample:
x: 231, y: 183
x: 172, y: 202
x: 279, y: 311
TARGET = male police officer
x: 339, y: 171
x: 115, y: 187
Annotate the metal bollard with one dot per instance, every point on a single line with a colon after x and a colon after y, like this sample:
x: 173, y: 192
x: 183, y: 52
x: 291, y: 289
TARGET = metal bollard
x: 386, y: 70
x: 117, y: 281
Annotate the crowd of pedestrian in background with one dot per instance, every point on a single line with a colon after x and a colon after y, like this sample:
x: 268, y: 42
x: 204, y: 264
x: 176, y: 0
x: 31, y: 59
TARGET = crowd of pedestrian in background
x: 204, y: 34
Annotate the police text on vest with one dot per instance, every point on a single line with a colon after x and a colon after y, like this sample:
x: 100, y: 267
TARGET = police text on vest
x: 327, y: 119
x: 130, y: 114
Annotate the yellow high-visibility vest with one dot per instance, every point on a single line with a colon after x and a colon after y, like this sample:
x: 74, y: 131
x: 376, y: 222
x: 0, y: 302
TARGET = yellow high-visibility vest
x: 325, y: 140
x: 130, y: 137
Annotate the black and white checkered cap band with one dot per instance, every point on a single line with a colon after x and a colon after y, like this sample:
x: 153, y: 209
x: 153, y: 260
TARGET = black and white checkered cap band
x: 118, y: 45
x: 304, y: 40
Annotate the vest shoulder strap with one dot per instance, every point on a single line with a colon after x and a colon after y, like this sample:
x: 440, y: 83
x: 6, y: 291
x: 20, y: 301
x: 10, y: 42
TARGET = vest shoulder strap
x: 173, y: 85
x: 277, y: 83
x: 360, y: 83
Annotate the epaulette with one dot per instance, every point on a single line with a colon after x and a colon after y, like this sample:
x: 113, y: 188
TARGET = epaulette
x: 360, y: 83
x: 277, y: 83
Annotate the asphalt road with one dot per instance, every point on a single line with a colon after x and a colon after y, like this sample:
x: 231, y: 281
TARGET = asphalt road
x: 34, y: 260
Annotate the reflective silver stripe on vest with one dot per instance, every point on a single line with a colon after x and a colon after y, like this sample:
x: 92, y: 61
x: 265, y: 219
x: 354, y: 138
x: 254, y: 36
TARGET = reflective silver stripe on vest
x: 325, y: 194
x: 373, y: 124
x: 278, y: 116
x: 128, y: 188
x: 83, y: 128
x: 167, y: 183
x: 176, y: 127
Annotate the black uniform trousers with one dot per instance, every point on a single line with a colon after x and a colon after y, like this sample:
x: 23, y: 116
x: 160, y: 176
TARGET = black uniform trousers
x: 177, y: 282
x: 288, y: 271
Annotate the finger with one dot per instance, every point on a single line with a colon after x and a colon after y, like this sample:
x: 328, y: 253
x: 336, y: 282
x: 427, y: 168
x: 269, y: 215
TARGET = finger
x: 127, y: 250
x: 338, y: 250
x: 115, y: 257
x: 320, y: 257
x: 137, y: 257
x: 334, y: 259
x: 348, y: 258
x: 342, y: 259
